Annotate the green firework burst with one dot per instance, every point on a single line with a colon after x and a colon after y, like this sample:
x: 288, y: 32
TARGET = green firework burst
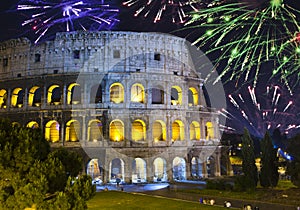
x: 245, y: 35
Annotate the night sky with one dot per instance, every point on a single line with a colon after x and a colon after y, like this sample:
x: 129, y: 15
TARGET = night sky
x: 10, y: 27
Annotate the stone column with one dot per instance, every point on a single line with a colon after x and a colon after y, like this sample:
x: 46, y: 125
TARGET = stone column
x: 204, y: 169
x: 169, y: 167
x: 84, y: 136
x: 64, y: 95
x: 44, y: 97
x: 188, y: 168
x: 8, y: 101
x: 150, y: 170
x: 25, y: 99
x: 62, y: 133
x: 128, y: 170
x: 217, y: 164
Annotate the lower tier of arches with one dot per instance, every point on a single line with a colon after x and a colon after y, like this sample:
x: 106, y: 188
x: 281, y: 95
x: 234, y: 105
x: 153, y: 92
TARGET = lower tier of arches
x: 130, y: 165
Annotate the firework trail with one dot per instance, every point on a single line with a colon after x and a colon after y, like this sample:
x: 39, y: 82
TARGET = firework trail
x: 261, y: 112
x: 177, y: 10
x: 246, y: 35
x: 67, y: 15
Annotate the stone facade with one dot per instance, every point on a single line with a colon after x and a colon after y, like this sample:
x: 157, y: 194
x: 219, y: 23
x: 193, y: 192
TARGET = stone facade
x: 132, y: 101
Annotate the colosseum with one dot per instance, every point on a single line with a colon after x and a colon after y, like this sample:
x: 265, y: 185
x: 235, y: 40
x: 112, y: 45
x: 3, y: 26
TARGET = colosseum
x: 131, y: 102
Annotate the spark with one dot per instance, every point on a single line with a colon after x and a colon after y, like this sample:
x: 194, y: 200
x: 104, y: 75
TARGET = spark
x: 66, y: 15
x: 262, y: 111
x: 176, y: 10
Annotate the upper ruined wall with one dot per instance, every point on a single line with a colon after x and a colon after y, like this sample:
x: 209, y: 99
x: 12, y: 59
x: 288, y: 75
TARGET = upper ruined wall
x: 103, y: 51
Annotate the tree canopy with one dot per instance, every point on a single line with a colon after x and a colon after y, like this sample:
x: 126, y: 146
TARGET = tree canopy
x: 33, y: 176
x: 293, y: 166
x: 269, y: 175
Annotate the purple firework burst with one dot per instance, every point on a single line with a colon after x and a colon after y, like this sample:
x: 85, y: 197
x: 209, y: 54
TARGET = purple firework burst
x: 262, y: 110
x: 67, y: 15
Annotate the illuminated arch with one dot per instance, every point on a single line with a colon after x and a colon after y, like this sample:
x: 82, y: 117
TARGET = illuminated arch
x: 3, y: 98
x: 32, y: 124
x: 54, y: 95
x: 176, y: 95
x: 137, y: 93
x: 139, y: 170
x: 116, y: 130
x: 177, y: 130
x: 96, y: 94
x: 74, y: 94
x: 52, y: 131
x: 179, y: 168
x: 34, y: 96
x: 195, y: 131
x: 193, y: 96
x: 116, y: 93
x: 209, y: 130
x: 17, y: 97
x: 116, y: 169
x: 73, y: 131
x: 94, y: 169
x: 95, y: 130
x: 138, y: 130
x: 159, y: 131
x: 15, y: 124
x: 160, y: 170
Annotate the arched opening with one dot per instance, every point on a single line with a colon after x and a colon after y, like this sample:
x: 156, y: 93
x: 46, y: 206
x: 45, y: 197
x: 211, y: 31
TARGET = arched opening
x: 116, y: 92
x: 179, y: 167
x: 176, y: 95
x: 96, y: 94
x: 116, y: 170
x: 32, y: 125
x: 95, y: 130
x: 54, y: 95
x: 160, y: 170
x: 210, y: 166
x: 17, y: 97
x: 72, y: 131
x: 138, y: 130
x: 195, y: 131
x: 137, y: 93
x: 3, y: 98
x: 159, y: 131
x: 74, y: 94
x: 116, y: 130
x: 177, y: 130
x: 34, y: 96
x: 196, y: 168
x: 193, y: 96
x: 209, y: 130
x: 52, y: 131
x: 157, y: 96
x: 15, y: 124
x: 139, y: 173
x: 95, y: 170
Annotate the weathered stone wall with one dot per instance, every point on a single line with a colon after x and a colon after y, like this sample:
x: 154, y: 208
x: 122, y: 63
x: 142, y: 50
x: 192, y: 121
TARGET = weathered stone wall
x: 89, y: 59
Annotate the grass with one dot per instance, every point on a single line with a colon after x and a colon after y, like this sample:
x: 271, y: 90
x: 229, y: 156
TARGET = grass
x: 284, y: 193
x: 124, y: 201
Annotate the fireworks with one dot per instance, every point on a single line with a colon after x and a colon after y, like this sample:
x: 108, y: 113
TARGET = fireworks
x: 67, y: 15
x: 261, y: 112
x: 177, y: 10
x: 246, y: 35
